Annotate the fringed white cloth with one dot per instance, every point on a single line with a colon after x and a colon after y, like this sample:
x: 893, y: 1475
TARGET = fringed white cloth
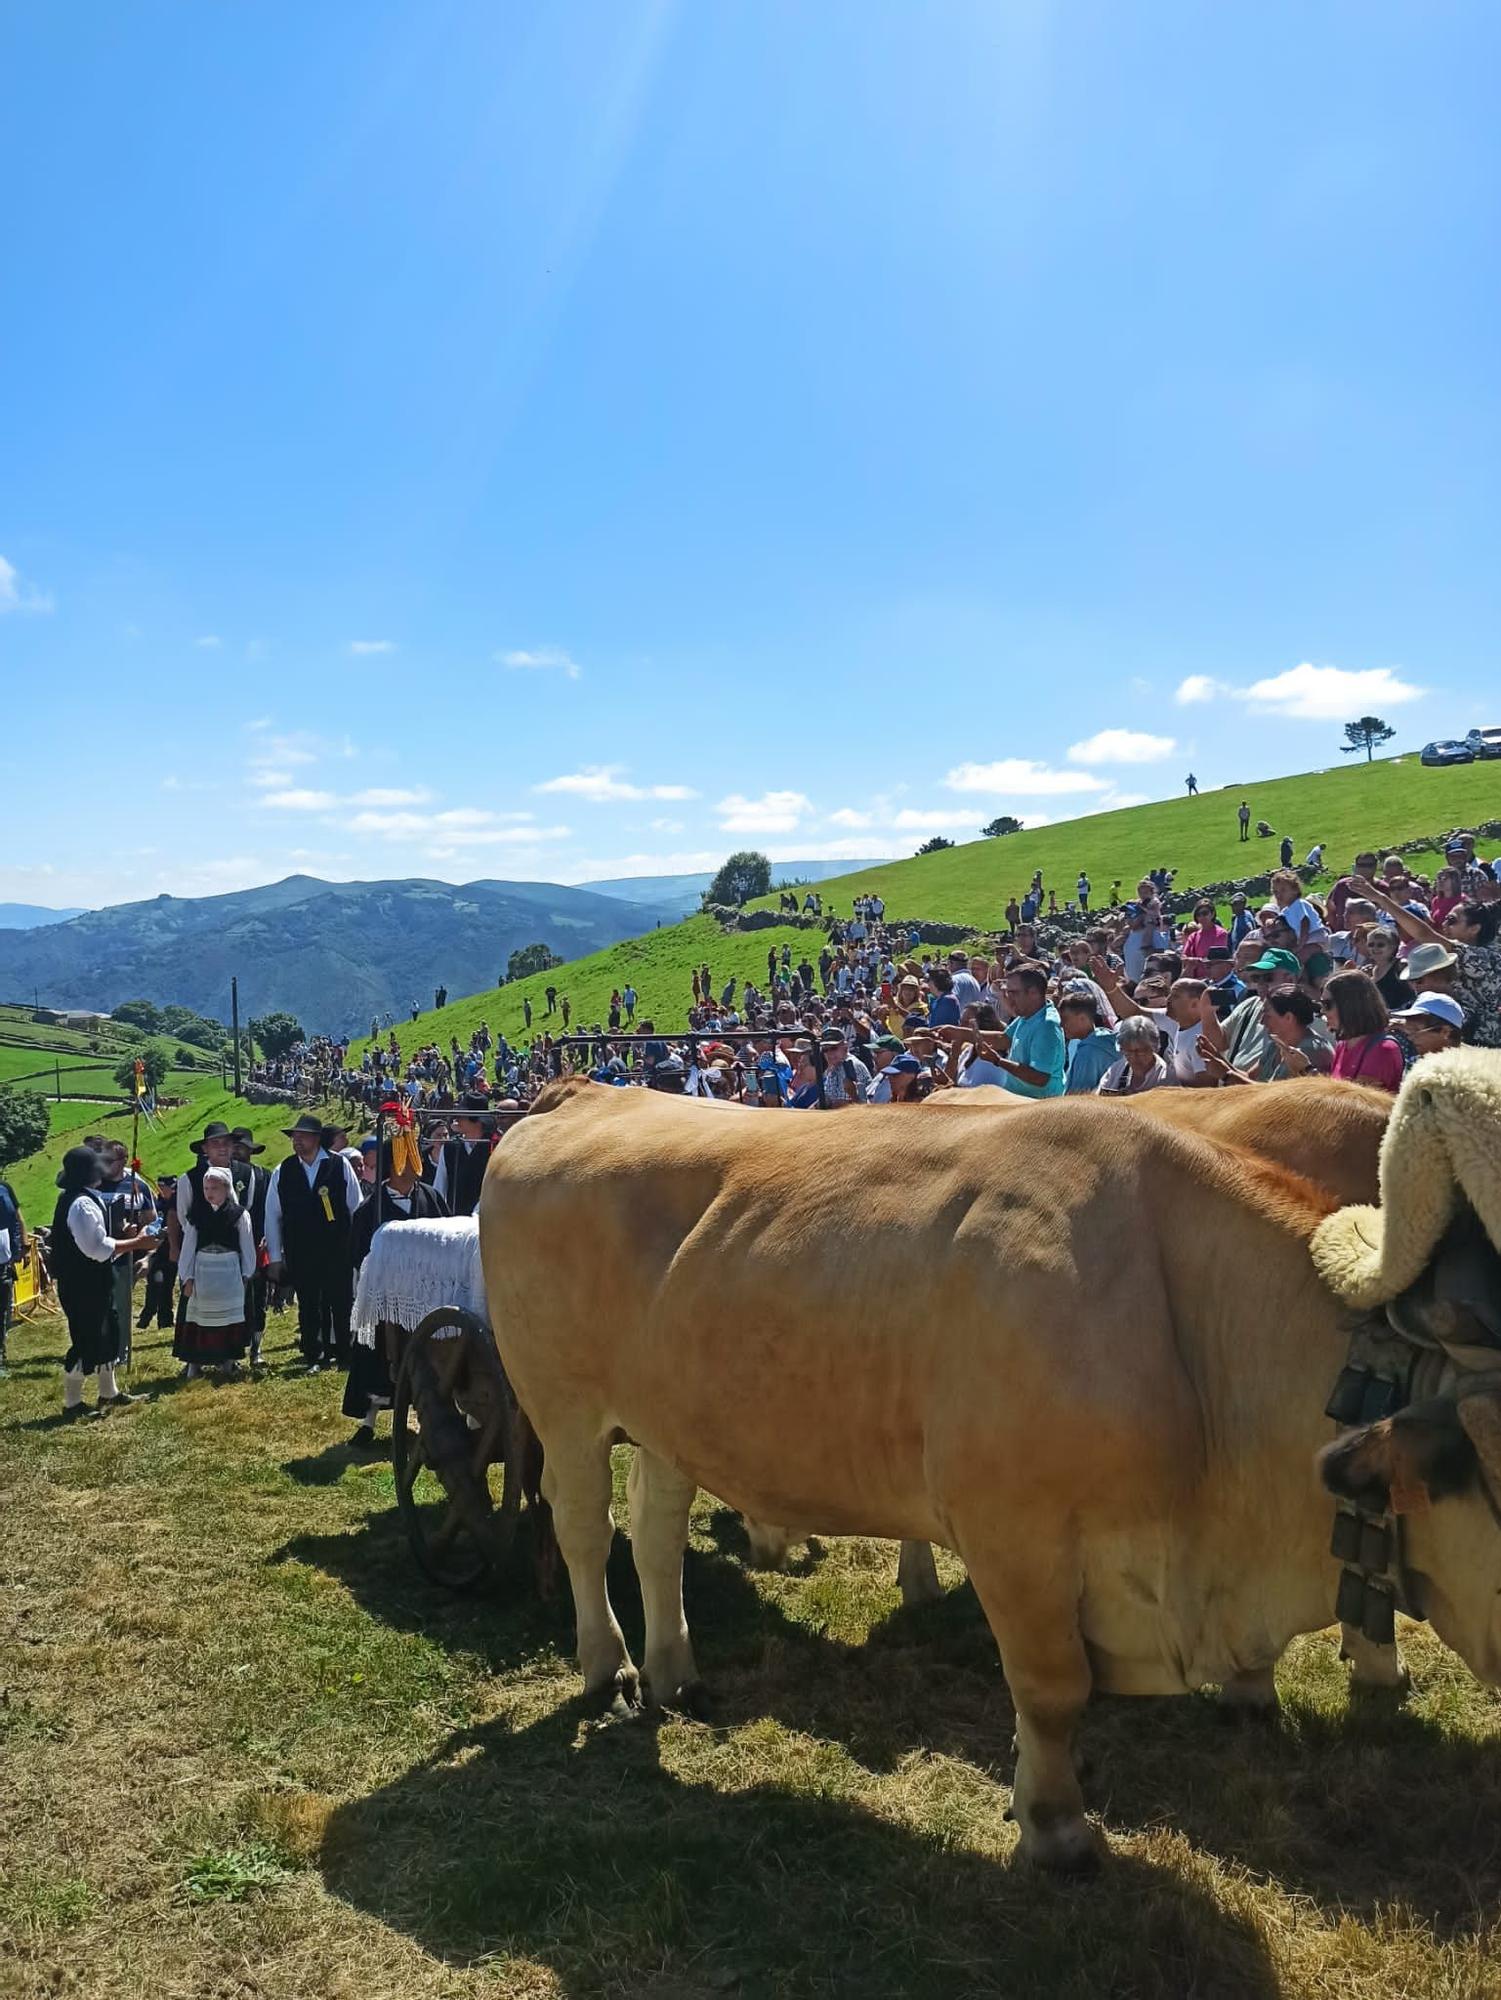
x: 415, y: 1267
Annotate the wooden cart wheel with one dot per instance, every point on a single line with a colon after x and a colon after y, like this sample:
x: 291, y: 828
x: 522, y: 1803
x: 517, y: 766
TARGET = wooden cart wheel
x: 456, y: 1449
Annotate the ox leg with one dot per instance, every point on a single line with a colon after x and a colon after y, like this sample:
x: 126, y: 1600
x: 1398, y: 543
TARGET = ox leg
x: 576, y: 1484
x: 660, y: 1498
x: 1035, y: 1624
x: 1252, y: 1693
x: 768, y: 1545
x: 917, y: 1574
x: 1371, y: 1666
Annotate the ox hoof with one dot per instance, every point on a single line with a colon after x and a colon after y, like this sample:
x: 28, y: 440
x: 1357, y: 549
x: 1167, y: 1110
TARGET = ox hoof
x: 1374, y: 1669
x: 618, y: 1697
x: 689, y: 1698
x: 1063, y: 1846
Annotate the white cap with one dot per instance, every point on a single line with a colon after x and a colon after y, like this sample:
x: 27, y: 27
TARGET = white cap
x: 1439, y: 1005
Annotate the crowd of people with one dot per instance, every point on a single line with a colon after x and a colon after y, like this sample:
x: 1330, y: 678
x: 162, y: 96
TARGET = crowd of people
x: 210, y: 1251
x: 1360, y: 983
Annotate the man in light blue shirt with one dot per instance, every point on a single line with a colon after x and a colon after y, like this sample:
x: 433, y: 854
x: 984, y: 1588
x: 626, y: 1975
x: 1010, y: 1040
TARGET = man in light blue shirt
x: 1034, y: 1064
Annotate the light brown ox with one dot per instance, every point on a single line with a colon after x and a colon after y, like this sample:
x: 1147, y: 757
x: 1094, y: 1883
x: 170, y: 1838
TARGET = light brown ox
x: 1091, y: 1355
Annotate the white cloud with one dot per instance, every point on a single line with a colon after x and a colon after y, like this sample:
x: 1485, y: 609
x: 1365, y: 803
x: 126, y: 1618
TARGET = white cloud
x: 667, y: 825
x: 300, y: 800
x: 603, y: 784
x: 544, y: 659
x: 773, y: 812
x: 1019, y: 777
x: 18, y: 596
x: 1114, y: 802
x: 359, y: 647
x: 1122, y: 746
x: 908, y: 820
x: 387, y: 795
x: 848, y: 816
x: 1197, y: 687
x: 1327, y: 694
x: 209, y: 641
x: 279, y: 751
x: 269, y: 779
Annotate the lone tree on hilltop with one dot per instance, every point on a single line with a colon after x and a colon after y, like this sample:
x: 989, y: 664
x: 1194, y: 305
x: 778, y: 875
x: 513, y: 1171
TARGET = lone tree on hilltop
x: 276, y: 1033
x: 1366, y: 734
x: 530, y: 958
x: 23, y: 1125
x: 935, y: 846
x: 744, y: 875
x: 155, y: 1060
x: 1005, y: 824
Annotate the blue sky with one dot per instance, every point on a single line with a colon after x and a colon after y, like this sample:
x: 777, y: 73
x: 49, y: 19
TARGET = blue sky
x: 520, y: 440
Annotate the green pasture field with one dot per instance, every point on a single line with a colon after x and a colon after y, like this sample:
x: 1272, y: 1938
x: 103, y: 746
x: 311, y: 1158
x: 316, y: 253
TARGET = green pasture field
x: 249, y: 1752
x: 1351, y: 806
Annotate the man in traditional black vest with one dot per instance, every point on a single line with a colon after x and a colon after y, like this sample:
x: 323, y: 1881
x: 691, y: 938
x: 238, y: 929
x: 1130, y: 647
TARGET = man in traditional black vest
x: 243, y: 1142
x: 310, y: 1203
x: 462, y: 1163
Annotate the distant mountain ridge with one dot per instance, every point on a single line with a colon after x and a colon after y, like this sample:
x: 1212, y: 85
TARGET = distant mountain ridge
x: 681, y: 893
x: 31, y: 916
x: 332, y: 953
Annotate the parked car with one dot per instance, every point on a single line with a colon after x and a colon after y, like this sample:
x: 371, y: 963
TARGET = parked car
x: 1449, y: 750
x: 1485, y: 742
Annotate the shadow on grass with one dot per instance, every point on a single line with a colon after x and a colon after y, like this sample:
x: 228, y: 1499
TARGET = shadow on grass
x: 1357, y: 1804
x: 625, y: 1879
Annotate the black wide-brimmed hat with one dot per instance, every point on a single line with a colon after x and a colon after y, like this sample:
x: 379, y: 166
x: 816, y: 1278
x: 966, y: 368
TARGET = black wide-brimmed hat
x: 307, y: 1123
x: 243, y: 1136
x: 217, y: 1130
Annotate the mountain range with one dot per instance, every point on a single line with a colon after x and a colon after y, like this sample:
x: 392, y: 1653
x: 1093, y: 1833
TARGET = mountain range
x: 28, y: 916
x: 332, y: 953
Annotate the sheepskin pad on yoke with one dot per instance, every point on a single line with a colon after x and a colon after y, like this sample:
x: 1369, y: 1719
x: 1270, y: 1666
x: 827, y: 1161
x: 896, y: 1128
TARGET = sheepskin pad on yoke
x: 1443, y: 1142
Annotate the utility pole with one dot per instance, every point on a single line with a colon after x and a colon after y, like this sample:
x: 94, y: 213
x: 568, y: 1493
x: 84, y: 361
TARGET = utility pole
x: 234, y: 1025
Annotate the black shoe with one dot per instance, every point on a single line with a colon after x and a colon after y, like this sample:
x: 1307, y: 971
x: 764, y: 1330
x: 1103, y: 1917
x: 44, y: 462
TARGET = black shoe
x: 363, y: 1439
x: 120, y: 1399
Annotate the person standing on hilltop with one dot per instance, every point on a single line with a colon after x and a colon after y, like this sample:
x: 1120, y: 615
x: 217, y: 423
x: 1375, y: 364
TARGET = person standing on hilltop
x: 1243, y: 814
x: 313, y: 1197
x: 1193, y: 786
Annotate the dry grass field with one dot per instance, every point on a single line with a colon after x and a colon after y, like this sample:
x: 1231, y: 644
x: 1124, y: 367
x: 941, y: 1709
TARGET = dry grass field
x: 246, y: 1751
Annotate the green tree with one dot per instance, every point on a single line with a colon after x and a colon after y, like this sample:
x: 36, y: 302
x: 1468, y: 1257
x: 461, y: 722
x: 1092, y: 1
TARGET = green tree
x: 156, y: 1060
x: 935, y: 846
x: 1005, y: 824
x: 1366, y: 734
x: 530, y: 958
x: 276, y: 1032
x: 140, y: 1014
x: 743, y: 876
x: 23, y: 1125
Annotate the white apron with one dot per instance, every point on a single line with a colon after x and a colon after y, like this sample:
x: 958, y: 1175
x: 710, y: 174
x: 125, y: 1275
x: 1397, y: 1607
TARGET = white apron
x: 218, y: 1288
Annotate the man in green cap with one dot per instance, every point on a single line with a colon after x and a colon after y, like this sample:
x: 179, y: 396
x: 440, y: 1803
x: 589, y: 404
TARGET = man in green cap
x: 1243, y: 1037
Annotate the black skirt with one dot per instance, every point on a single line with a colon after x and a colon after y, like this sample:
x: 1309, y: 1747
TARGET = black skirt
x: 369, y: 1378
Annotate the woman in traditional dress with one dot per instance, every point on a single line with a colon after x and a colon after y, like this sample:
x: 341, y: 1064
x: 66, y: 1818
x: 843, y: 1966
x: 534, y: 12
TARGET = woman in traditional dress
x: 82, y: 1253
x: 217, y: 1262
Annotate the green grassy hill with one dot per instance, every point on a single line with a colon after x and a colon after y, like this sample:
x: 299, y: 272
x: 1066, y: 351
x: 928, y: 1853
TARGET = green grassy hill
x: 1348, y: 807
x: 1379, y: 804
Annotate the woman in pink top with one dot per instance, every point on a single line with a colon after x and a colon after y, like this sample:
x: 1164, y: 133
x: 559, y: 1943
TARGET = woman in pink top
x: 1447, y: 895
x: 1196, y: 943
x: 1355, y: 1014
